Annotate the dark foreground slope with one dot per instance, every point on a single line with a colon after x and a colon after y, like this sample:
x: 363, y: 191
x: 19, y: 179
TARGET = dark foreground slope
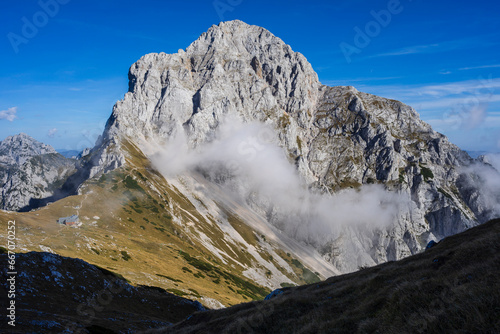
x: 56, y: 294
x: 453, y: 287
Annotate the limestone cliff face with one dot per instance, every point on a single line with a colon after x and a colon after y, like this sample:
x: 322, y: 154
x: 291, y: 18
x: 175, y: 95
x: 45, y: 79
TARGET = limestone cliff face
x: 29, y: 170
x: 16, y: 150
x: 336, y: 137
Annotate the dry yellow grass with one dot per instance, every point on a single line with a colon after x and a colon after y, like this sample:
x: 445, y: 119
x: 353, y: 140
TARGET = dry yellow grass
x: 128, y: 227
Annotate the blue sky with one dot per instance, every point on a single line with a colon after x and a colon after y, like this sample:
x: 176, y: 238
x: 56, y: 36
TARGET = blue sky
x: 60, y: 80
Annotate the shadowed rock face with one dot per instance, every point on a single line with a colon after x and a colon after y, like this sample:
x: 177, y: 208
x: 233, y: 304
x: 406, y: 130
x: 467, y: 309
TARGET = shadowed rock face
x: 337, y: 137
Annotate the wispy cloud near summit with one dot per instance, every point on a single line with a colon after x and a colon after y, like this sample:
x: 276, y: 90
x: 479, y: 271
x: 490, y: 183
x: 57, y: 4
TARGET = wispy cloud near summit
x: 478, y: 67
x: 52, y: 132
x: 437, y: 47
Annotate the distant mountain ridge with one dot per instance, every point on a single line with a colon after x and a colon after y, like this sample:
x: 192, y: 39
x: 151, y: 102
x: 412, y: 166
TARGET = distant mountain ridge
x: 68, y: 153
x: 30, y: 170
x: 17, y: 149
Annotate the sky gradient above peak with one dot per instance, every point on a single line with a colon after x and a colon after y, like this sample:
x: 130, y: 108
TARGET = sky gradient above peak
x: 66, y: 61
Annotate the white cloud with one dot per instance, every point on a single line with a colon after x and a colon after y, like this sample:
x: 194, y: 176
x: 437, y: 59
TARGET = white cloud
x: 52, y: 132
x: 478, y: 67
x: 457, y: 102
x: 476, y: 116
x: 9, y: 114
x: 492, y: 121
x: 487, y: 181
x: 410, y: 50
x: 479, y: 86
x: 494, y: 160
x: 245, y: 158
x: 443, y: 46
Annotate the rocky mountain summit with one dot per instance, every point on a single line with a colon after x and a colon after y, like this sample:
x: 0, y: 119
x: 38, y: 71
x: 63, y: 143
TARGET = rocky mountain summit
x: 29, y: 170
x: 339, y: 140
x: 16, y: 150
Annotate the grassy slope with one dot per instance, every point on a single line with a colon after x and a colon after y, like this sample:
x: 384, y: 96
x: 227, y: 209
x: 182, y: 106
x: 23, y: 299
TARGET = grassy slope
x: 452, y: 287
x: 143, y: 229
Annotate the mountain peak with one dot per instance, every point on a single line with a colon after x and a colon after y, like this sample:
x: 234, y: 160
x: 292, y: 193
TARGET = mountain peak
x: 233, y: 25
x: 234, y: 28
x: 238, y: 39
x: 20, y: 137
x: 18, y: 148
x: 335, y: 138
x: 197, y: 87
